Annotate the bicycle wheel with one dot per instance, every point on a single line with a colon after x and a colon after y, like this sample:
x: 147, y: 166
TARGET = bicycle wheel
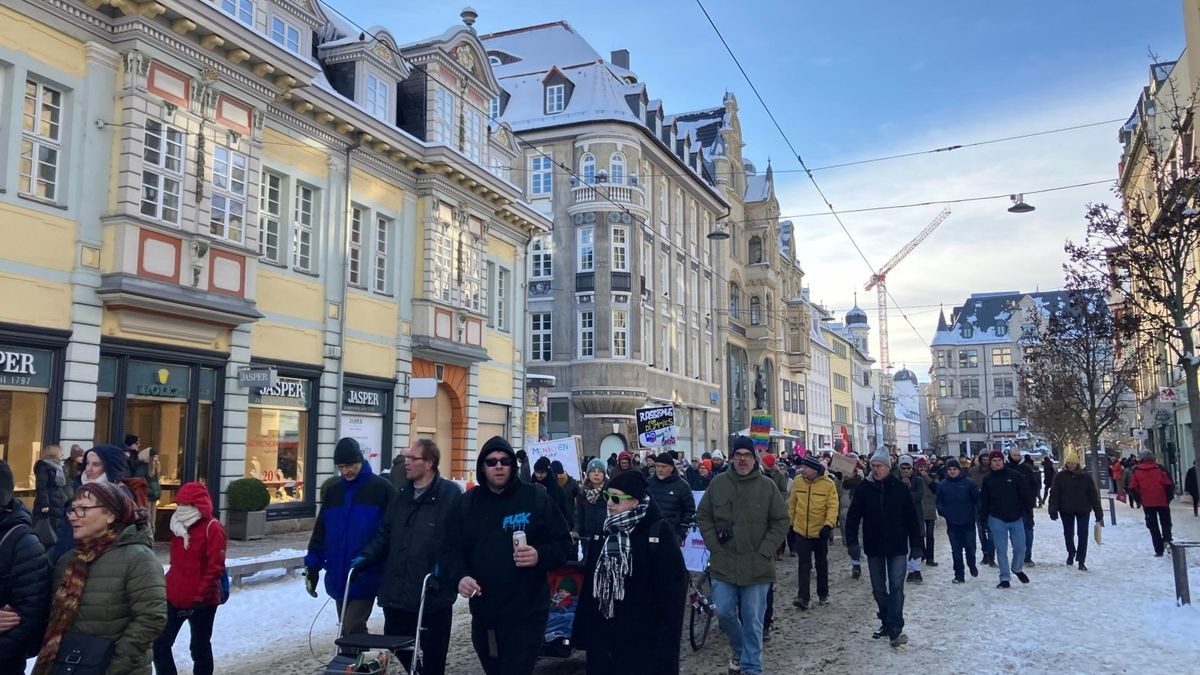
x: 701, y: 615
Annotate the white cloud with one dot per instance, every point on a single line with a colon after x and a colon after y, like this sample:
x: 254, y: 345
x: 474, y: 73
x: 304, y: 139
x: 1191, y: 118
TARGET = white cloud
x: 980, y: 247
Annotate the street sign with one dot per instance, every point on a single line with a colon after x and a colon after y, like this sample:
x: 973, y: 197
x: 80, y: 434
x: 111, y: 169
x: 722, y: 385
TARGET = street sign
x: 251, y: 376
x: 1140, y: 434
x: 1168, y: 395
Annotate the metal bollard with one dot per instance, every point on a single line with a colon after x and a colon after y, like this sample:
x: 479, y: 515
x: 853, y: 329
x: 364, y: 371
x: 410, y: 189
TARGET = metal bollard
x: 1183, y: 594
x: 1112, y: 510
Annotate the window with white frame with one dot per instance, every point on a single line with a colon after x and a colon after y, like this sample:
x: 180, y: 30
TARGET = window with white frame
x: 377, y: 98
x: 587, y: 168
x: 356, y: 246
x: 494, y: 108
x: 706, y: 303
x: 664, y: 274
x: 587, y: 334
x: 162, y: 171
x: 693, y: 356
x: 620, y: 249
x: 647, y: 264
x: 473, y: 280
x: 540, y: 177
x: 620, y: 334
x: 303, y: 225
x: 270, y: 216
x: 539, y: 336
x: 616, y: 169
x: 693, y: 230
x: 664, y: 361
x: 41, y: 141
x: 706, y: 245
x: 444, y: 118
x: 677, y: 217
x: 242, y: 10
x: 473, y: 139
x: 647, y: 336
x: 555, y: 98
x: 228, y: 212
x: 500, y: 298
x: 383, y: 243
x: 663, y: 216
x: 285, y: 35
x: 708, y: 360
x: 540, y: 258
x: 586, y: 246
x: 680, y: 297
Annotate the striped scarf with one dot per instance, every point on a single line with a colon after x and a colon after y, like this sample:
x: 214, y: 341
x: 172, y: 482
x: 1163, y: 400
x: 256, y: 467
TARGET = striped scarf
x: 67, y: 597
x: 615, y: 562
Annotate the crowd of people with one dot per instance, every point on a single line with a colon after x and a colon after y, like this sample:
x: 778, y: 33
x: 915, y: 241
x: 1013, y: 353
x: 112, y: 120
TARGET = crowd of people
x: 84, y: 586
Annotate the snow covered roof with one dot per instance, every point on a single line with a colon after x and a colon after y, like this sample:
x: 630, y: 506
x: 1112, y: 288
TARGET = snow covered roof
x: 535, y: 49
x: 758, y: 188
x: 597, y: 95
x: 976, y: 321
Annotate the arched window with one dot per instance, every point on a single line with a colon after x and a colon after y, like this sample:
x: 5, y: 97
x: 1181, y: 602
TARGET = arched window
x: 587, y: 168
x: 972, y: 422
x: 494, y: 60
x: 1004, y: 421
x: 616, y: 169
x: 756, y: 251
x: 755, y: 310
x: 735, y: 301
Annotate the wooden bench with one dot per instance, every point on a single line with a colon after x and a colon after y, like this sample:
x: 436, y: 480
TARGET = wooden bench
x: 238, y: 572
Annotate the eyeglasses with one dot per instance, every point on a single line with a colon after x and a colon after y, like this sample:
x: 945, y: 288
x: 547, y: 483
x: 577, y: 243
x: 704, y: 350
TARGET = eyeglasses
x: 417, y: 458
x: 81, y: 511
x: 501, y: 461
x: 906, y: 468
x: 615, y: 499
x: 743, y: 455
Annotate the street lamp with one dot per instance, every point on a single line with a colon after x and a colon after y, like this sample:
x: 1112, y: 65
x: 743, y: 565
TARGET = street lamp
x: 721, y: 233
x: 1019, y: 205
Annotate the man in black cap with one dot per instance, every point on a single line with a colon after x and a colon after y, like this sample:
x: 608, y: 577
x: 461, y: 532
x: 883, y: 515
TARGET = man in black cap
x: 671, y: 494
x: 502, y: 538
x: 352, y: 510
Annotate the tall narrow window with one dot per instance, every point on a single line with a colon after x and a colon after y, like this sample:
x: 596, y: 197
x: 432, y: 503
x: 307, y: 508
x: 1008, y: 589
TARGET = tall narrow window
x: 356, y: 246
x: 270, y: 216
x: 444, y: 265
x: 587, y: 249
x: 445, y: 119
x: 41, y: 135
x: 494, y: 108
x: 587, y: 168
x: 377, y: 98
x: 302, y: 228
x: 285, y: 35
x: 620, y: 249
x: 616, y: 169
x: 677, y: 218
x: 383, y: 235
x: 539, y: 336
x: 620, y: 334
x: 229, y: 194
x: 647, y: 264
x: 473, y: 141
x: 693, y: 230
x: 555, y: 98
x: 540, y: 177
x: 587, y: 334
x: 162, y: 172
x: 647, y: 336
x: 500, y: 297
x: 706, y: 245
x: 540, y: 258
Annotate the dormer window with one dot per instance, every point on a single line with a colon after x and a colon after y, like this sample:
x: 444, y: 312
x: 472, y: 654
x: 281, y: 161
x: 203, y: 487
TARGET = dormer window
x: 1001, y: 329
x: 376, y: 101
x: 968, y: 331
x: 494, y: 60
x: 285, y: 35
x: 242, y: 10
x: 556, y: 97
x: 494, y: 105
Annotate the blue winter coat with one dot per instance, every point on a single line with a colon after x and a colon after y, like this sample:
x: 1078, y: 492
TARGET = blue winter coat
x: 958, y: 499
x: 351, y: 514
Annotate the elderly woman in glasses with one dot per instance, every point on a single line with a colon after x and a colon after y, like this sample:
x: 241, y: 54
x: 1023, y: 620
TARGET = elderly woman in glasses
x: 630, y: 616
x: 110, y: 600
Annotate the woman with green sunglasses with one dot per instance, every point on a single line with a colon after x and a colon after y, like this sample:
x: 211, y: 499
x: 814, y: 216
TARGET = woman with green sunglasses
x: 630, y: 616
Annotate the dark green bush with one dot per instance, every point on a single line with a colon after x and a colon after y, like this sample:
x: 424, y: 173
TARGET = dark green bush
x: 248, y: 494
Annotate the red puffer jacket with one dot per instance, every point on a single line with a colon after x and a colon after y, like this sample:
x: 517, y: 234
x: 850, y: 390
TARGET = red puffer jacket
x: 194, y: 577
x: 1150, y: 483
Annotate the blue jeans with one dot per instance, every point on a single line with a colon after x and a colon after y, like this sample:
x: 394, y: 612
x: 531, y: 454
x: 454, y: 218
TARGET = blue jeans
x: 745, y: 633
x: 887, y: 584
x: 1002, y: 532
x: 1029, y: 540
x: 962, y: 539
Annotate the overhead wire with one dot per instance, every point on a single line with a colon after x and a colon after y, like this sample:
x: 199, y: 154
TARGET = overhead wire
x: 812, y: 179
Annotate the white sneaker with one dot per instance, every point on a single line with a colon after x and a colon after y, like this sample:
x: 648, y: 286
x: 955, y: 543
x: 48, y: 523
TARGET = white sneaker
x: 734, y: 666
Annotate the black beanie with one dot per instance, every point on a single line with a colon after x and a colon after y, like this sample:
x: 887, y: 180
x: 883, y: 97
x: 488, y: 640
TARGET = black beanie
x: 542, y: 464
x: 665, y: 458
x: 742, y: 443
x: 347, y: 452
x: 6, y: 484
x: 632, y: 483
x: 130, y: 439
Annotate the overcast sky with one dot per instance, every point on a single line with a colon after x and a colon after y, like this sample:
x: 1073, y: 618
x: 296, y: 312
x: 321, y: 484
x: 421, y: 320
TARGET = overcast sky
x: 852, y: 80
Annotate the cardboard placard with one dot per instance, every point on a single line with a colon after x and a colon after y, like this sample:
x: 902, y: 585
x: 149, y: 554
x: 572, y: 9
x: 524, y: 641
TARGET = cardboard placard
x: 565, y: 450
x: 843, y: 464
x: 695, y: 553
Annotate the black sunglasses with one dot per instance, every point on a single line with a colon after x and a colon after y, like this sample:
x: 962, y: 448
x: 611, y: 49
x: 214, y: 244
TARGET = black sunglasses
x: 615, y: 499
x: 502, y: 461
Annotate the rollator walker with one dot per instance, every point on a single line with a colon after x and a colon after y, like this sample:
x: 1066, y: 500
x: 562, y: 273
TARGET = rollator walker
x: 371, y: 654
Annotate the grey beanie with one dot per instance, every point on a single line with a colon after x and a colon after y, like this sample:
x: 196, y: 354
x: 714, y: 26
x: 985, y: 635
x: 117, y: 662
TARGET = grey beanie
x: 905, y: 460
x: 882, y: 456
x: 1146, y: 455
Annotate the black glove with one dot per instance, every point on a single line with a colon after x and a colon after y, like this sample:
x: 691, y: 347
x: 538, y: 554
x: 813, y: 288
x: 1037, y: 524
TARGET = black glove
x: 311, y: 576
x: 826, y: 533
x: 1053, y: 516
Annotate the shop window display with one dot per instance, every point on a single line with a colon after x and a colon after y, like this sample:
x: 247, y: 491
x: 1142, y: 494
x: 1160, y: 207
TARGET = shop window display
x: 277, y: 439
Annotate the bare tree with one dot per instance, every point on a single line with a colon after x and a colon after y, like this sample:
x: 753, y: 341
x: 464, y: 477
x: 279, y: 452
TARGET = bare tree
x: 1077, y: 379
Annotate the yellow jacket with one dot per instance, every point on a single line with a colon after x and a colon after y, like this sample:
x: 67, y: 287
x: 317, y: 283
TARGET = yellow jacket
x: 812, y: 505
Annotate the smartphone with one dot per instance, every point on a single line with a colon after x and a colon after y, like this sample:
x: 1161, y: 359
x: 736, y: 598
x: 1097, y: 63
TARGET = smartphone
x: 519, y: 539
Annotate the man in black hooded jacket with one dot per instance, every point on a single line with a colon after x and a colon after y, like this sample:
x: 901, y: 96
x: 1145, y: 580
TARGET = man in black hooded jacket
x: 507, y: 587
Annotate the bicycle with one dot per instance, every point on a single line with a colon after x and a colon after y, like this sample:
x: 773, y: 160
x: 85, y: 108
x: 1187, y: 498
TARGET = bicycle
x: 702, y: 609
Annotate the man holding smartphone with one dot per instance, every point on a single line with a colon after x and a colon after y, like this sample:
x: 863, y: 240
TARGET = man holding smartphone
x: 501, y: 539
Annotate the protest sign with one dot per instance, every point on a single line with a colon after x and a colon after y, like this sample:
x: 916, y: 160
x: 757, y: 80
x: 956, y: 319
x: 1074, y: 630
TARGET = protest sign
x: 656, y: 426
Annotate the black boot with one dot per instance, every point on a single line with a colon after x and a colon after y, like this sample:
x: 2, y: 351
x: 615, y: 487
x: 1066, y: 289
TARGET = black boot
x: 880, y: 632
x: 1070, y: 559
x: 856, y: 572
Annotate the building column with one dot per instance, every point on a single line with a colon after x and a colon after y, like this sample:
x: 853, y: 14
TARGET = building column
x: 234, y: 419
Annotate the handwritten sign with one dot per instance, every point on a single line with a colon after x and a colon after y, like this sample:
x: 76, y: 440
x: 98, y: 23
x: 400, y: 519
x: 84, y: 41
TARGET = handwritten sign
x: 656, y: 426
x: 843, y: 464
x: 565, y: 450
x: 760, y: 429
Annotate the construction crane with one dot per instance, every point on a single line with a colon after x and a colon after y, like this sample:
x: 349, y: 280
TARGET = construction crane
x: 878, y: 281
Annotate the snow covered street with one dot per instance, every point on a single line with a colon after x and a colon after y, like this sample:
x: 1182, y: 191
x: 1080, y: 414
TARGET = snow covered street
x: 1064, y: 621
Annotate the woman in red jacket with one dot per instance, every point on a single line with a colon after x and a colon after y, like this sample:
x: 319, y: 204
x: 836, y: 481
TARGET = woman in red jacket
x: 194, y: 580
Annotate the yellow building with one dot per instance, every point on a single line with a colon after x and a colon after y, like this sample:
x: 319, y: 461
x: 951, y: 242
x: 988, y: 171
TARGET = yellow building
x: 196, y: 190
x: 841, y: 371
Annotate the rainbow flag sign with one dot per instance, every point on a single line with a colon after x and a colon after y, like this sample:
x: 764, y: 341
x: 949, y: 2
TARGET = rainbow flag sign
x: 760, y: 429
